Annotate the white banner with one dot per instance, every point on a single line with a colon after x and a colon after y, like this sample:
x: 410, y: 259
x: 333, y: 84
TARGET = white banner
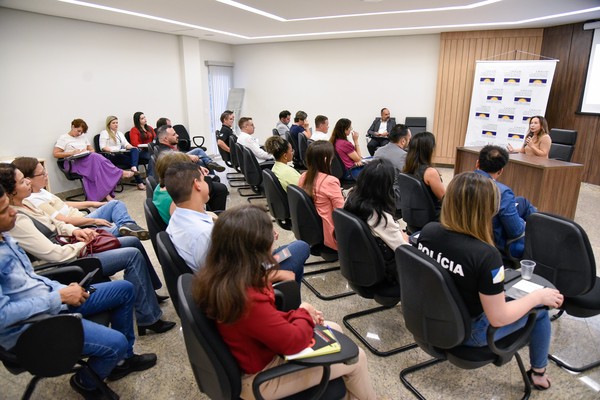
x: 505, y: 95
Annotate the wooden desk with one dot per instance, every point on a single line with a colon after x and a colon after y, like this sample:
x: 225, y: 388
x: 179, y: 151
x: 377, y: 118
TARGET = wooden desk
x: 42, y: 161
x: 550, y: 185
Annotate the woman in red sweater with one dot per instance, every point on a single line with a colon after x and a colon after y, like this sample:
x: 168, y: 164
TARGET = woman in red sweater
x: 233, y: 289
x: 141, y: 134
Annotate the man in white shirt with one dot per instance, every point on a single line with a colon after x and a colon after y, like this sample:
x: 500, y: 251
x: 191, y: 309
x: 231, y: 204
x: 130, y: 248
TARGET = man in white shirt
x: 321, y: 128
x: 247, y: 139
x: 283, y: 125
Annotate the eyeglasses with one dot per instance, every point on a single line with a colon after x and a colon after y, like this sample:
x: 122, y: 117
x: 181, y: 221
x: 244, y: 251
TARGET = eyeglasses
x: 44, y: 173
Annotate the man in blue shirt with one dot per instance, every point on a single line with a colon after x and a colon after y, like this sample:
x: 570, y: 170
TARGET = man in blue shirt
x: 24, y: 294
x: 509, y: 222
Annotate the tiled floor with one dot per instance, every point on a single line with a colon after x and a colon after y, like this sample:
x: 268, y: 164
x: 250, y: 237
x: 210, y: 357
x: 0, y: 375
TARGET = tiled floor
x: 577, y: 340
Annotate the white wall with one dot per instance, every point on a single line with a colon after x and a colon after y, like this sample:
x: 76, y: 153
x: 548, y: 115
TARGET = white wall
x: 55, y: 69
x: 351, y: 78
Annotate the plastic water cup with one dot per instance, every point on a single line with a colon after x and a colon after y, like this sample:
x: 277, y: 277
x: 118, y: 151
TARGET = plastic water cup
x: 527, y: 267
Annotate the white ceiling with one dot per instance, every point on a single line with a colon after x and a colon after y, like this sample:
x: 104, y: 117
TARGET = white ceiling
x: 285, y: 20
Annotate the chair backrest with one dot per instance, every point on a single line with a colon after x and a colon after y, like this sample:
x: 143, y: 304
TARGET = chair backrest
x: 434, y: 312
x: 225, y: 155
x: 97, y: 143
x: 302, y: 147
x: 150, y: 186
x: 154, y: 221
x: 184, y: 143
x: 276, y: 132
x: 563, y: 144
x: 337, y: 166
x: 361, y: 261
x: 216, y: 371
x: 235, y: 161
x: 306, y: 222
x: 416, y: 124
x: 251, y: 168
x: 277, y: 199
x: 415, y: 202
x: 562, y: 252
x: 298, y: 161
x: 173, y: 266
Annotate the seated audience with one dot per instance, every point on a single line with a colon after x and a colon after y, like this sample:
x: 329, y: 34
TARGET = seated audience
x: 282, y: 150
x: 321, y: 128
x: 300, y: 125
x: 198, y: 152
x: 226, y: 130
x: 395, y: 152
x: 24, y: 294
x: 234, y: 289
x: 130, y: 257
x: 167, y: 140
x: 322, y: 187
x: 283, y: 125
x: 537, y: 141
x: 479, y: 274
x: 112, y: 216
x: 100, y: 176
x: 509, y: 221
x: 190, y: 226
x: 162, y: 200
x: 372, y: 200
x: 141, y: 135
x: 248, y: 140
x: 379, y: 131
x: 114, y: 142
x: 418, y: 163
x: 349, y: 153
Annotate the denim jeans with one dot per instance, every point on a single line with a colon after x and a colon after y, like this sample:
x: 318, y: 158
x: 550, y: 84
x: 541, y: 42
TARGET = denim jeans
x: 525, y: 209
x: 539, y: 344
x: 114, y: 211
x: 131, y: 159
x: 107, y: 346
x: 300, y: 251
x: 137, y: 268
x: 201, y: 154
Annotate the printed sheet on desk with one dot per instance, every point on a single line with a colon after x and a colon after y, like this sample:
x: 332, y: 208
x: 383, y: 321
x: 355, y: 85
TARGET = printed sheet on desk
x: 322, y: 343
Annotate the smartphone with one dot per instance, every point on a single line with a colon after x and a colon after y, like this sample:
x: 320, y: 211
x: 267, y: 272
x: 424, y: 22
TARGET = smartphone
x: 88, y: 278
x: 282, y: 255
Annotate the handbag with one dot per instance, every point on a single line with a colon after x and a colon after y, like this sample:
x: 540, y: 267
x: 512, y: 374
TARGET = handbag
x: 104, y: 241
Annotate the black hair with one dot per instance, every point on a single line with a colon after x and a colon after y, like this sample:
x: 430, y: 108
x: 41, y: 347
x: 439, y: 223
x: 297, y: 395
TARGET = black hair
x: 398, y: 132
x: 492, y: 158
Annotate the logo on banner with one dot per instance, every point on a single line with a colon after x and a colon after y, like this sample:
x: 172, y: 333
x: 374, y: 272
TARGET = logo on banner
x: 512, y: 80
x: 526, y: 118
x: 488, y: 133
x: 522, y: 99
x: 482, y: 115
x: 538, y: 81
x: 487, y: 79
x: 495, y: 99
x: 514, y: 135
x: 506, y: 117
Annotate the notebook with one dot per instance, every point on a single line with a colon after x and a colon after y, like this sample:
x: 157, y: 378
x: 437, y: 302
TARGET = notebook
x: 322, y: 343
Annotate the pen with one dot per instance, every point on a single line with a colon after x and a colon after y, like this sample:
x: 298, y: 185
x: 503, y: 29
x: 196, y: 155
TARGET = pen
x: 332, y: 334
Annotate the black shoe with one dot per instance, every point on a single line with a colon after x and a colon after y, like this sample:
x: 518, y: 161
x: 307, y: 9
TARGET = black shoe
x: 161, y: 299
x: 138, y: 362
x: 159, y: 326
x: 92, y: 394
x: 215, y: 166
x: 132, y: 229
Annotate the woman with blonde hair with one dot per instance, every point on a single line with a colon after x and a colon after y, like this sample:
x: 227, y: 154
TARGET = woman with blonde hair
x: 115, y: 144
x: 463, y: 243
x: 233, y: 289
x: 537, y: 141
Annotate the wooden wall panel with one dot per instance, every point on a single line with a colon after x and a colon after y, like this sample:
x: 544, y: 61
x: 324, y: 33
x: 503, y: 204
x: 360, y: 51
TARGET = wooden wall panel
x: 458, y: 53
x: 572, y: 45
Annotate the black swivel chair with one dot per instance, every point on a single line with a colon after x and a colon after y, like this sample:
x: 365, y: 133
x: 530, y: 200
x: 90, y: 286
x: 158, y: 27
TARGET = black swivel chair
x: 416, y: 124
x: 363, y: 266
x: 415, y: 202
x: 338, y: 170
x: 64, y: 166
x: 216, y: 371
x: 226, y: 157
x: 252, y: 174
x: 150, y: 186
x: 236, y: 162
x: 564, y: 256
x: 172, y: 264
x: 563, y: 144
x: 154, y: 222
x: 277, y: 200
x: 298, y: 161
x: 185, y: 144
x: 308, y: 227
x: 435, y: 313
x: 302, y: 147
x: 275, y: 132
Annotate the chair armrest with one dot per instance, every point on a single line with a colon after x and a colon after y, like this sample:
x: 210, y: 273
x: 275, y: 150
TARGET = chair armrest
x: 521, y: 341
x: 196, y: 143
x: 285, y: 369
x: 85, y: 265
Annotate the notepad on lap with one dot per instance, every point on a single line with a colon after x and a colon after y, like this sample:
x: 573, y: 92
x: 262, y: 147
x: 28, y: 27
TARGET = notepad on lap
x: 322, y: 343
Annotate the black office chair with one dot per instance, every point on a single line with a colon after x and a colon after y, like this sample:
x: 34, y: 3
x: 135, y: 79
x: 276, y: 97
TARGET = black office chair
x: 302, y: 147
x: 308, y: 227
x: 217, y: 373
x: 435, y: 313
x: 338, y: 170
x: 226, y: 157
x: 298, y: 161
x: 53, y: 344
x: 563, y: 144
x: 154, y: 222
x: 416, y: 124
x: 143, y: 162
x: 252, y: 174
x: 185, y: 143
x: 236, y: 161
x: 415, y: 202
x: 277, y: 200
x: 363, y: 266
x: 173, y: 266
x: 276, y: 132
x: 64, y: 166
x: 563, y: 255
x: 116, y: 159
x: 150, y: 186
